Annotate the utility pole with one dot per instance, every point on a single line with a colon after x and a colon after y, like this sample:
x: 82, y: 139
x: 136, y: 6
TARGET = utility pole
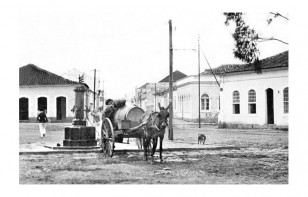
x: 94, y: 93
x: 170, y: 82
x: 94, y: 88
x: 103, y: 93
x: 199, y: 78
x: 155, y: 97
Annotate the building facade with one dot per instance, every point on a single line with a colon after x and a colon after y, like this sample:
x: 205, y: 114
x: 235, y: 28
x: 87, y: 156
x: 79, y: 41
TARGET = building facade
x: 150, y: 94
x: 250, y: 99
x: 40, y: 89
x: 57, y: 100
x: 186, y: 99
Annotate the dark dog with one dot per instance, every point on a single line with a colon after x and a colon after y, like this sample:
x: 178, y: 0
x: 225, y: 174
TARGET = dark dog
x: 201, y: 138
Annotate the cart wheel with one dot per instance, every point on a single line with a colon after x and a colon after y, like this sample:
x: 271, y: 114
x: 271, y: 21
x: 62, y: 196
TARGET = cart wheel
x: 107, y: 143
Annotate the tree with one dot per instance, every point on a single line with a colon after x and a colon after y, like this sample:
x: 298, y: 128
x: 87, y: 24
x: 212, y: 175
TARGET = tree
x: 246, y: 38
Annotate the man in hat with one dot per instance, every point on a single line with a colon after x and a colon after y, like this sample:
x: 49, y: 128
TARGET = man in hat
x: 109, y: 101
x: 42, y: 118
x: 109, y: 109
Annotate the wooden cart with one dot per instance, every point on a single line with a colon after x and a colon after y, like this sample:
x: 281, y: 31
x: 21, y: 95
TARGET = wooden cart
x: 119, y: 126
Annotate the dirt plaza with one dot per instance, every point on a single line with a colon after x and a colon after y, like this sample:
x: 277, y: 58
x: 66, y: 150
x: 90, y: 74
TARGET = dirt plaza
x: 229, y: 156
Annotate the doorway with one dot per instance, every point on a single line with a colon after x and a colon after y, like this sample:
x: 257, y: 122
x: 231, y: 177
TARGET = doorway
x: 61, y: 108
x: 23, y: 109
x: 42, y: 103
x: 270, y: 105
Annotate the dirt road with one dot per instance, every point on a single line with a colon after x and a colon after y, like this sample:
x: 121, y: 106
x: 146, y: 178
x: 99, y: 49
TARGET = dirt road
x: 261, y: 159
x: 245, y: 166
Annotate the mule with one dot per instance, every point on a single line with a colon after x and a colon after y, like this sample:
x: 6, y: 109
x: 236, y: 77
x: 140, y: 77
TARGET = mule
x: 154, y: 128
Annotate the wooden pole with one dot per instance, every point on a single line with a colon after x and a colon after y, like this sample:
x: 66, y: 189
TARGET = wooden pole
x: 103, y: 93
x: 155, y: 97
x: 94, y: 89
x: 170, y: 82
x: 199, y: 79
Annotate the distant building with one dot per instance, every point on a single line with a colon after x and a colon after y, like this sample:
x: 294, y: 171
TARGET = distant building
x: 177, y: 75
x: 40, y: 89
x: 150, y: 94
x: 253, y: 100
x: 147, y: 95
x: 186, y: 99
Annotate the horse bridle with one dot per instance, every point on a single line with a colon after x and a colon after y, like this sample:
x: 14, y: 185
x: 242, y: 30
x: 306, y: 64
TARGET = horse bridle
x: 159, y: 123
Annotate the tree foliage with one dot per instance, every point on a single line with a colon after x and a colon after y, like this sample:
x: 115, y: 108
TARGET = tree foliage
x: 246, y: 39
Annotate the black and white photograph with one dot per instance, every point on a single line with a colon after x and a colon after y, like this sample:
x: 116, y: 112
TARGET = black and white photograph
x: 158, y: 96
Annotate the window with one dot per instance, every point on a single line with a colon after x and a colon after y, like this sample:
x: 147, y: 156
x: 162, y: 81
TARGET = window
x: 252, y: 102
x: 286, y: 100
x: 236, y: 102
x: 205, y: 102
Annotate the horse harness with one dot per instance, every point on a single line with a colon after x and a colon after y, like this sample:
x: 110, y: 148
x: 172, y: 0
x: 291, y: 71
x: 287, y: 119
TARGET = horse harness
x: 153, y: 119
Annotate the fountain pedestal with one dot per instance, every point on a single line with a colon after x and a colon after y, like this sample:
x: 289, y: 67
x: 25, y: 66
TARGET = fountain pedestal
x: 79, y: 134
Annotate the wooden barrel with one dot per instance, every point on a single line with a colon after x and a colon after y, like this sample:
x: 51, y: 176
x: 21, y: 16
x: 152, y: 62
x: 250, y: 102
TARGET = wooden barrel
x: 127, y: 117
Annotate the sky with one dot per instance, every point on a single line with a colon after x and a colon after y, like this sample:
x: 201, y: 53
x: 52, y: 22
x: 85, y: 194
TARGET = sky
x: 129, y: 45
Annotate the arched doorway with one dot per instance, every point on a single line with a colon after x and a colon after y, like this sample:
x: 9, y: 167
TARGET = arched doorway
x: 42, y: 103
x: 61, y: 108
x: 270, y: 105
x: 23, y: 109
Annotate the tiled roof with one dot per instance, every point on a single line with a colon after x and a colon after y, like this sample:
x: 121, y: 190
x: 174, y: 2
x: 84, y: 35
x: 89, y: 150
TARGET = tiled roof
x: 176, y: 76
x: 276, y: 61
x: 206, y: 72
x: 33, y: 75
x: 143, y: 86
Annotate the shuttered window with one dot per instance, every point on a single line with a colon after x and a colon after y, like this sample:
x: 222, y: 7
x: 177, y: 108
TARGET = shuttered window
x: 252, y: 102
x: 236, y: 102
x: 286, y: 100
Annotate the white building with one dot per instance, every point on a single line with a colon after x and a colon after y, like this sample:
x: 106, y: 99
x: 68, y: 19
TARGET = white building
x: 41, y: 89
x: 186, y: 99
x: 254, y: 100
x: 150, y: 94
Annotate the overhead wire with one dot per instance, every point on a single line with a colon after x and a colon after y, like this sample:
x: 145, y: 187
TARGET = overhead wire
x: 210, y: 68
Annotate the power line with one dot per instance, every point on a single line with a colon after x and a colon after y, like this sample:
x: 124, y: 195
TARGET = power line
x: 210, y: 68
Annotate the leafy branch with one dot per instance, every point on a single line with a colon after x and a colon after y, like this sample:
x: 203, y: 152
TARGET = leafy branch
x: 246, y: 38
x: 275, y: 16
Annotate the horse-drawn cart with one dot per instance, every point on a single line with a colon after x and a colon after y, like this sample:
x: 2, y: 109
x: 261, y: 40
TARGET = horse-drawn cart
x: 123, y: 123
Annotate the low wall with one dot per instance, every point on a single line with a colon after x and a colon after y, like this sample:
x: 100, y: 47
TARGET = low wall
x: 202, y: 120
x: 251, y: 126
x: 52, y: 119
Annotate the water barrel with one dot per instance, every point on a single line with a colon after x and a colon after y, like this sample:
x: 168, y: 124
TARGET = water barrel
x: 128, y: 115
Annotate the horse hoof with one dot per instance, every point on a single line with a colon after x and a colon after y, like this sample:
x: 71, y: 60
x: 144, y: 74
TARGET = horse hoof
x: 162, y: 161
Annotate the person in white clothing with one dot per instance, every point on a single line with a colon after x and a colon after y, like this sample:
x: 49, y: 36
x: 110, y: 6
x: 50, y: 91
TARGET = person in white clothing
x: 97, y: 122
x: 42, y: 118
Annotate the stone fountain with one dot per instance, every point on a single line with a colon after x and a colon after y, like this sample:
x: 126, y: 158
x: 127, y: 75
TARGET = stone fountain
x: 79, y: 135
